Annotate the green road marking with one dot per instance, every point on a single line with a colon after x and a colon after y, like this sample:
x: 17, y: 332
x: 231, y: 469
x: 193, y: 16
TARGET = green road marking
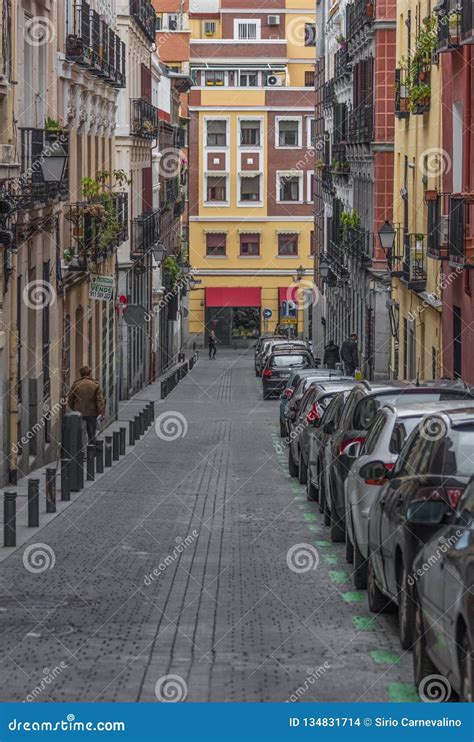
x: 364, y: 623
x: 323, y: 544
x: 310, y: 516
x: 338, y: 576
x: 300, y: 498
x: 384, y: 657
x: 315, y: 529
x: 354, y: 597
x: 331, y: 558
x: 402, y: 693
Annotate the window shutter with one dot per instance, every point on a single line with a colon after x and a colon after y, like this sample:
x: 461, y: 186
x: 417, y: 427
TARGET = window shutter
x: 147, y: 190
x: 145, y: 83
x: 216, y: 240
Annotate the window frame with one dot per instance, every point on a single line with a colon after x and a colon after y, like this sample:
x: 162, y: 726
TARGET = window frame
x: 278, y: 120
x: 250, y: 202
x: 285, y: 254
x: 216, y: 255
x: 244, y: 21
x: 258, y: 121
x: 216, y: 202
x: 299, y: 176
x: 216, y: 146
x: 251, y: 254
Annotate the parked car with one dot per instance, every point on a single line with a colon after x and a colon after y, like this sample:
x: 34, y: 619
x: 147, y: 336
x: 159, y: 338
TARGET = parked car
x: 263, y: 339
x: 271, y: 344
x: 309, y: 415
x: 385, y: 440
x: 309, y: 375
x: 359, y: 413
x: 279, y: 366
x: 317, y: 440
x: 434, y: 466
x: 443, y: 576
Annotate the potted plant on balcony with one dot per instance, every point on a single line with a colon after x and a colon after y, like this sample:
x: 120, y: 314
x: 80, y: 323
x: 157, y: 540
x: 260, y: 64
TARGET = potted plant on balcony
x: 341, y: 40
x: 148, y: 126
x: 319, y: 165
x: 369, y: 10
x: 454, y: 20
x: 419, y: 97
x: 53, y: 128
x: 335, y: 166
x: 431, y: 194
x: 419, y: 237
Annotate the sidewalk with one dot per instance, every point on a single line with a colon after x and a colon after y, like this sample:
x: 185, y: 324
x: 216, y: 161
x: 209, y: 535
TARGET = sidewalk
x: 127, y: 411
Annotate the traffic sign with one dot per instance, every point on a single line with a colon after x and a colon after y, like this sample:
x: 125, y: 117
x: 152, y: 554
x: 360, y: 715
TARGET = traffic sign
x: 267, y: 313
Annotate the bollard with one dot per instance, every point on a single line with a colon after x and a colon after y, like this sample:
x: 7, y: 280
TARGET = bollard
x: 80, y: 469
x: 152, y: 405
x: 150, y: 414
x: 123, y: 441
x: 99, y: 457
x: 108, y: 450
x: 136, y: 421
x: 115, y: 445
x: 142, y: 421
x: 71, y: 445
x: 90, y: 462
x: 65, y: 480
x: 131, y: 432
x: 50, y: 490
x: 9, y: 519
x: 181, y: 357
x: 33, y: 503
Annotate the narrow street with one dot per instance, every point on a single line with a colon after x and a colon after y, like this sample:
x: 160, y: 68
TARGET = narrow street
x: 176, y: 563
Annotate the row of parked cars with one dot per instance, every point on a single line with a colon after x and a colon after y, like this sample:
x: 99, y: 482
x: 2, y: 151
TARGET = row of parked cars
x: 391, y: 467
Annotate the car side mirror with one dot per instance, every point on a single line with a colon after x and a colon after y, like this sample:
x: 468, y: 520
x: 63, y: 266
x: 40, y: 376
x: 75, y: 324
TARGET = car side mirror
x: 353, y: 450
x: 290, y: 414
x: 374, y: 472
x: 427, y: 512
x: 329, y: 427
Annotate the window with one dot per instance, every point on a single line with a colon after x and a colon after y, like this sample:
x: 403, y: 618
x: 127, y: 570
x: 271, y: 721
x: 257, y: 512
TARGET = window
x: 310, y: 187
x: 309, y: 79
x: 287, y: 244
x: 250, y: 244
x: 246, y: 30
x: 311, y: 132
x: 216, y: 133
x: 289, y: 188
x: 312, y: 243
x: 310, y: 34
x: 289, y: 133
x: 216, y: 188
x: 209, y: 28
x: 250, y: 188
x: 215, y: 243
x: 250, y: 133
x: 215, y: 77
x: 248, y: 79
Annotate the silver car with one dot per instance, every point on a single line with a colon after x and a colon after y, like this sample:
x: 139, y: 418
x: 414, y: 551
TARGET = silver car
x: 268, y: 346
x: 391, y: 427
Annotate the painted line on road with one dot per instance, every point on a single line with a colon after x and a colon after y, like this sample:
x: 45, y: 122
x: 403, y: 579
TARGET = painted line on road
x: 384, y: 657
x: 353, y: 596
x: 403, y: 693
x: 364, y: 623
x: 339, y: 577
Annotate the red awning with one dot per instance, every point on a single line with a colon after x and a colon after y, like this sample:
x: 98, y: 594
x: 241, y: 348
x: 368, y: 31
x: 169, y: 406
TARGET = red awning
x: 233, y: 297
x: 289, y: 293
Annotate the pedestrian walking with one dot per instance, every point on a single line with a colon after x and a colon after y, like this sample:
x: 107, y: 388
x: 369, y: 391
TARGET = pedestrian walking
x: 331, y: 355
x: 350, y: 355
x: 86, y: 397
x: 212, y: 345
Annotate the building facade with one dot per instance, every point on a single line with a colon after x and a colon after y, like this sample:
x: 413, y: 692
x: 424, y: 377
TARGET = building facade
x: 251, y: 177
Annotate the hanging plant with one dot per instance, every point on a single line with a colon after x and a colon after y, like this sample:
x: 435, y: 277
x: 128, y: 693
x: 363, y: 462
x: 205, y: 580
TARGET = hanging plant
x: 171, y: 266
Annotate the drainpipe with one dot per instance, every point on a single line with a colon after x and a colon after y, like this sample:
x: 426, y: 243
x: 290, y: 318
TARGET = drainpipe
x: 467, y: 179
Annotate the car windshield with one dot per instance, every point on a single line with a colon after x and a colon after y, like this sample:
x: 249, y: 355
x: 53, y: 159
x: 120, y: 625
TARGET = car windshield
x: 401, y: 431
x: 289, y: 360
x: 366, y: 410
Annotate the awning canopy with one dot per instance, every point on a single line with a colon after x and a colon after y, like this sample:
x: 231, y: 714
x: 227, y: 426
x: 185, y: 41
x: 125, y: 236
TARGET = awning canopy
x: 289, y: 293
x: 233, y: 297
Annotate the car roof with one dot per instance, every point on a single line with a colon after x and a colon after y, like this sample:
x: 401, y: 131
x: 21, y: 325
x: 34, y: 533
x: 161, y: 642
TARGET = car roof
x: 460, y: 417
x: 421, y: 408
x: 330, y: 385
x: 293, y: 351
x: 373, y: 389
x: 421, y: 384
x: 334, y: 388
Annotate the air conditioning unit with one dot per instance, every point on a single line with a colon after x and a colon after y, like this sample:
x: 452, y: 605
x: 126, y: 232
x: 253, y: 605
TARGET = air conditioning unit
x: 172, y: 22
x: 274, y: 81
x: 273, y: 20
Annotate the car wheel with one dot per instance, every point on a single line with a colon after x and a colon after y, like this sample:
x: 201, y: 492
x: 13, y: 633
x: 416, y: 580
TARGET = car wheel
x: 311, y: 491
x: 359, y: 574
x: 292, y: 468
x: 406, y: 614
x: 302, y: 469
x: 349, y: 549
x: 282, y: 430
x: 327, y: 515
x: 466, y: 666
x: 338, y: 532
x: 422, y: 665
x: 378, y: 602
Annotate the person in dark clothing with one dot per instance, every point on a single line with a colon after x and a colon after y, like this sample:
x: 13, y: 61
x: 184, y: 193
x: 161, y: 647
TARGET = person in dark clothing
x: 350, y: 355
x: 212, y: 345
x: 331, y: 355
x: 86, y: 397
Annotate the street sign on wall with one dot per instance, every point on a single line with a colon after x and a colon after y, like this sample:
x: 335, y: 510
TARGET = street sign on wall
x: 267, y: 313
x: 101, y: 288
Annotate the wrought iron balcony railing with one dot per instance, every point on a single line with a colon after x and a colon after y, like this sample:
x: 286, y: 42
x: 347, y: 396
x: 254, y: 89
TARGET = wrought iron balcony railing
x: 361, y: 124
x: 437, y: 242
x: 327, y: 181
x: 467, y: 22
x: 340, y: 165
x: 402, y: 109
x: 171, y: 190
x: 145, y: 233
x: 342, y: 64
x: 414, y: 262
x: 143, y: 13
x: 337, y: 257
x: 461, y: 230
x: 359, y: 15
x: 455, y: 24
x: 33, y: 188
x: 97, y: 227
x: 329, y: 94
x: 360, y: 244
x: 143, y: 119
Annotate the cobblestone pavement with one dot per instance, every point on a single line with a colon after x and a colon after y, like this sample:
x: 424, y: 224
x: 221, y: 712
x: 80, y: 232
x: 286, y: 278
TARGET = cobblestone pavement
x: 175, y: 563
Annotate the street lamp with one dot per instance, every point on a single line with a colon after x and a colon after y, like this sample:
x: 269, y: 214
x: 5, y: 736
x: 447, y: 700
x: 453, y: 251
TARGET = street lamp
x: 300, y: 271
x: 53, y: 163
x: 158, y: 251
x: 387, y: 236
x: 324, y: 268
x: 192, y: 283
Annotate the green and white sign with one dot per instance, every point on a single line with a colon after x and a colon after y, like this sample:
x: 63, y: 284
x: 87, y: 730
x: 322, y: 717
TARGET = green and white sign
x: 101, y: 288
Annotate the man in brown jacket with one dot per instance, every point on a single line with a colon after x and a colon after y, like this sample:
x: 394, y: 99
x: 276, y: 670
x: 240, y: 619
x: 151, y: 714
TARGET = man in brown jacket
x: 86, y: 397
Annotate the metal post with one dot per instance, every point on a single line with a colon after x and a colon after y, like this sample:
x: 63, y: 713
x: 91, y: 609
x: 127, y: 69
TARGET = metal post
x: 136, y: 421
x: 33, y: 503
x: 152, y: 405
x: 115, y: 445
x: 9, y: 519
x: 99, y: 457
x: 123, y: 441
x: 142, y: 422
x: 131, y: 432
x: 108, y: 450
x: 80, y: 469
x: 90, y: 462
x: 65, y: 479
x: 50, y: 490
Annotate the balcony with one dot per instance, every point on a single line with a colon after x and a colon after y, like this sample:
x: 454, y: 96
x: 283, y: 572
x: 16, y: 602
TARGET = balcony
x: 361, y: 124
x: 145, y: 233
x: 438, y: 226
x: 329, y: 94
x: 327, y: 181
x: 467, y: 22
x: 414, y: 262
x: 337, y: 257
x: 420, y: 89
x: 92, y: 44
x: 359, y: 16
x: 455, y: 24
x: 97, y: 227
x: 143, y: 119
x: 342, y: 64
x: 33, y: 188
x: 144, y: 15
x: 461, y: 230
x: 171, y: 190
x: 402, y: 108
x: 179, y: 137
x: 359, y: 244
x: 340, y: 165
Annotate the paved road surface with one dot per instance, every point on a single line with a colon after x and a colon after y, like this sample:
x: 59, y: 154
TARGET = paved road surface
x: 175, y: 563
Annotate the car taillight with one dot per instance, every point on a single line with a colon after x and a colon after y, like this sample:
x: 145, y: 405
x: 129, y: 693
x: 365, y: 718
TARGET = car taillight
x: 451, y: 495
x: 314, y: 413
x: 343, y: 446
x: 267, y: 372
x: 288, y: 392
x: 454, y: 495
x: 380, y: 480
